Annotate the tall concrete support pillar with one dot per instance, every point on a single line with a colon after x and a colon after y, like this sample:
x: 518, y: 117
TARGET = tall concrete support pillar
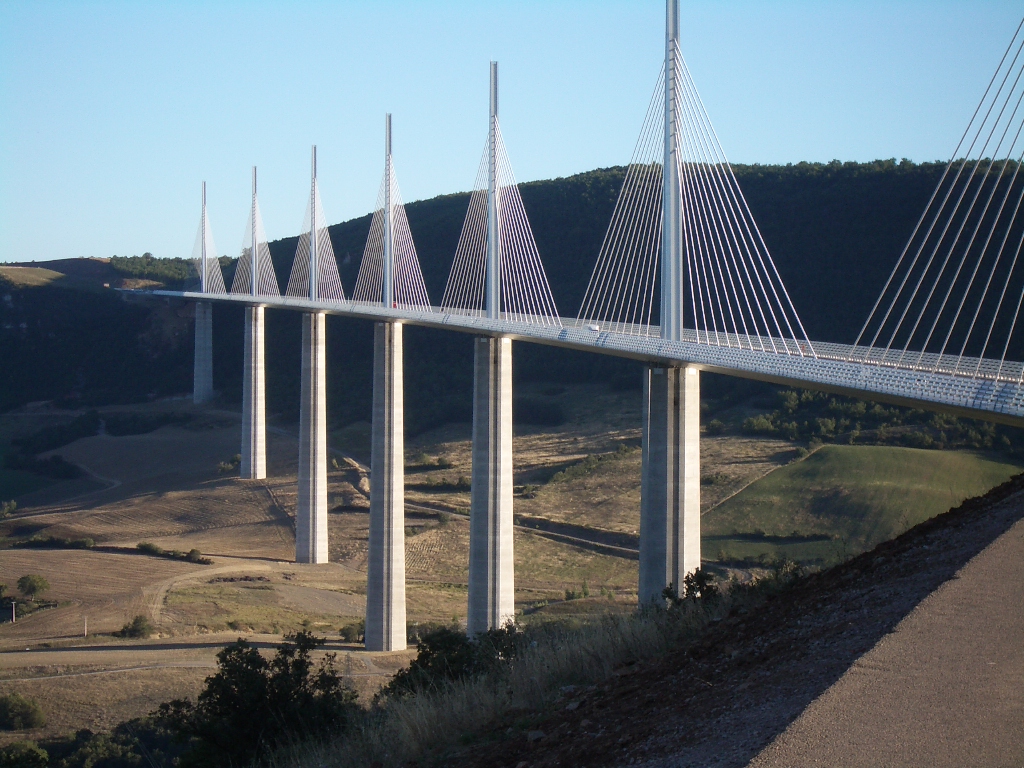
x: 202, y: 371
x: 491, y: 567
x: 254, y: 403
x: 385, y: 588
x: 311, y: 515
x: 670, y: 483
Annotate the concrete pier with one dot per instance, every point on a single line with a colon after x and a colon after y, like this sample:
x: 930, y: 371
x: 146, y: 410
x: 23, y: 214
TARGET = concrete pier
x: 311, y: 514
x: 385, y: 588
x: 670, y: 482
x: 254, y: 403
x: 202, y: 371
x: 491, y: 567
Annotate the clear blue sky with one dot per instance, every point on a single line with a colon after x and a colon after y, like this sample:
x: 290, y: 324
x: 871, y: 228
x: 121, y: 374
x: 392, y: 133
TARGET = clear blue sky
x: 112, y: 113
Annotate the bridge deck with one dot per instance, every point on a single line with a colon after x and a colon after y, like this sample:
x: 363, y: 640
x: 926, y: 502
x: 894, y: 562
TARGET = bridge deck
x: 970, y: 387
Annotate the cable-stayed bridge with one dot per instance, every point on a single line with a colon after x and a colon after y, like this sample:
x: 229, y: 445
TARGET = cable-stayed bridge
x: 683, y: 281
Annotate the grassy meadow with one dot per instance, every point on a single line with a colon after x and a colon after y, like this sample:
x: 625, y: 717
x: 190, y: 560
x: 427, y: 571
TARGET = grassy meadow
x: 844, y: 499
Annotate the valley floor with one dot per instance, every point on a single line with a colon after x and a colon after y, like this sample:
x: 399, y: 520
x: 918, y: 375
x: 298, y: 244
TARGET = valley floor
x: 577, y: 509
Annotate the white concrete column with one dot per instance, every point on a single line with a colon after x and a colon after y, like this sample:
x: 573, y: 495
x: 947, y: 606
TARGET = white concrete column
x: 670, y: 481
x: 311, y: 515
x: 385, y: 587
x: 491, y: 566
x: 254, y: 399
x: 202, y: 371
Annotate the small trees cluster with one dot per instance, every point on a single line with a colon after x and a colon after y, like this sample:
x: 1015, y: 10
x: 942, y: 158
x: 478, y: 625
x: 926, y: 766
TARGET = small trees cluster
x: 254, y: 705
x: 32, y: 585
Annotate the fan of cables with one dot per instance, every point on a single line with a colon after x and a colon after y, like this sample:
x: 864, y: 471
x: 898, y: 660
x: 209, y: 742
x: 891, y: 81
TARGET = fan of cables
x: 732, y: 293
x: 205, y: 252
x: 409, y: 289
x: 265, y: 283
x: 525, y: 292
x: 952, y: 302
x: 328, y: 282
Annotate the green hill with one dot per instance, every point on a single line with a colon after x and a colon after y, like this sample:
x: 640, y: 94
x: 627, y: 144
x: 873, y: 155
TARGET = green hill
x: 866, y: 493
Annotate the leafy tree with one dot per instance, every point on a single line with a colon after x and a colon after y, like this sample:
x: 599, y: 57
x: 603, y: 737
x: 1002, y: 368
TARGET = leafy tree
x: 23, y: 754
x: 33, y: 585
x: 253, y: 705
x: 18, y: 713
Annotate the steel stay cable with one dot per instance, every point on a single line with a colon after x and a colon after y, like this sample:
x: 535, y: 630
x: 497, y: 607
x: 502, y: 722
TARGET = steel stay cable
x: 723, y: 213
x: 977, y: 227
x: 748, y: 220
x: 949, y: 220
x: 716, y: 232
x: 927, y: 207
x: 726, y: 192
x: 956, y: 238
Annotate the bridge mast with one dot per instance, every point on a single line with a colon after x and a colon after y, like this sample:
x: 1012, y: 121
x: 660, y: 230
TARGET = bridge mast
x: 671, y: 236
x: 311, y: 511
x: 385, y: 578
x: 202, y: 371
x: 492, y: 296
x: 670, y: 482
x: 491, y: 569
x: 388, y: 297
x: 254, y: 415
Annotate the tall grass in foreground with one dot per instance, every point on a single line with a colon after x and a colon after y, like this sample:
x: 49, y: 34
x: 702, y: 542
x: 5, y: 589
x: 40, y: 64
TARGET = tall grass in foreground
x: 549, y: 656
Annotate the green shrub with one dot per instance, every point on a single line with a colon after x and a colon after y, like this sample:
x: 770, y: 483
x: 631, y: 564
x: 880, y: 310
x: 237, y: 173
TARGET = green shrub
x: 253, y: 705
x: 32, y: 585
x: 714, y: 427
x: 23, y: 754
x: 55, y: 542
x: 7, y: 509
x: 137, y: 627
x: 447, y: 654
x: 353, y: 632
x: 18, y: 713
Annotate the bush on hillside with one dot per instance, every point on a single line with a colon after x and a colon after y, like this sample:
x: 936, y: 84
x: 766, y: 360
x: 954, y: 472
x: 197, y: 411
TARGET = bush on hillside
x: 192, y: 556
x: 55, y: 542
x: 253, y: 705
x: 59, y: 435
x: 137, y: 627
x: 55, y: 467
x: 447, y: 654
x: 18, y: 713
x: 138, y: 743
x: 23, y: 754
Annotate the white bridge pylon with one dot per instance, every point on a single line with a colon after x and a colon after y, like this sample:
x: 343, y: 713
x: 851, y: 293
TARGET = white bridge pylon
x: 497, y: 271
x: 682, y: 249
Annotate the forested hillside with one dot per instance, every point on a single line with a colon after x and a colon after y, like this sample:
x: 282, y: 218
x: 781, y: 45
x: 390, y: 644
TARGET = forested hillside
x: 835, y: 230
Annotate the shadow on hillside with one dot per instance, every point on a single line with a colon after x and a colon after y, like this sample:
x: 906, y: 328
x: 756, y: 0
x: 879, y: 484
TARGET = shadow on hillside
x: 755, y: 675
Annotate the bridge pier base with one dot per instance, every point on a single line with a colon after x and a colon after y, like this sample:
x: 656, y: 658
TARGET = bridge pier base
x: 311, y: 514
x: 491, y: 567
x: 385, y: 588
x: 254, y: 408
x: 202, y: 371
x: 670, y: 482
